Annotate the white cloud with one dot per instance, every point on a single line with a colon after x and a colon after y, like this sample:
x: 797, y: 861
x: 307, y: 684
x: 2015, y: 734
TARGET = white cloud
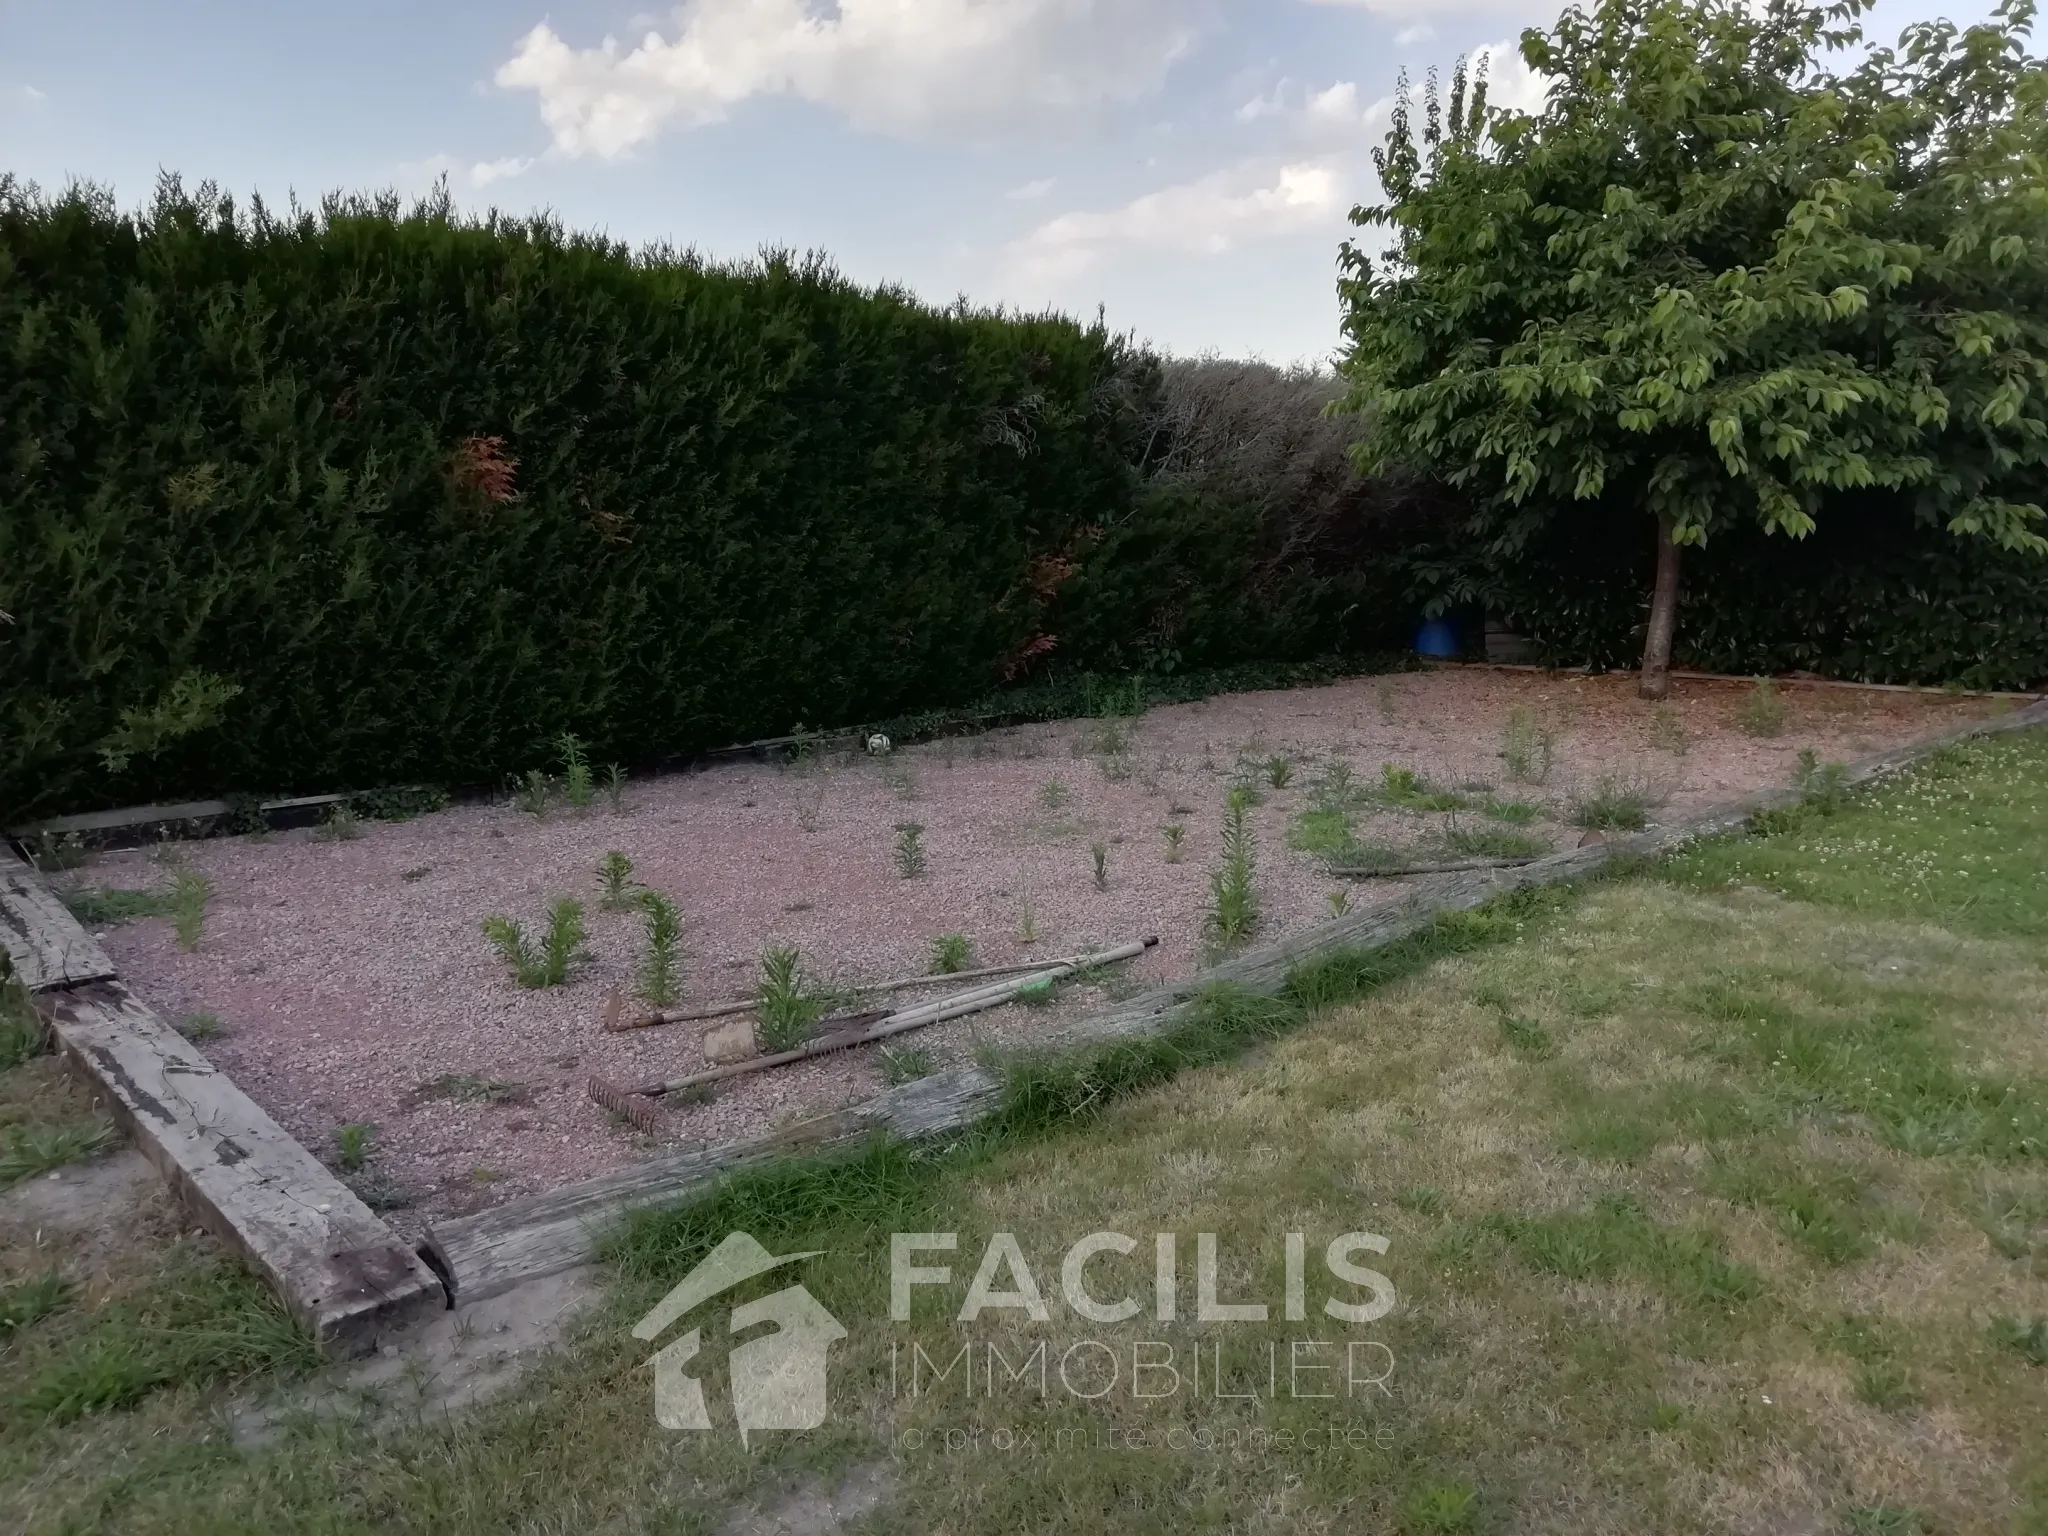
x: 1511, y: 83
x: 1206, y: 216
x: 1031, y: 191
x: 1531, y: 8
x: 910, y: 68
x: 1408, y: 37
x: 1330, y: 117
x: 484, y: 172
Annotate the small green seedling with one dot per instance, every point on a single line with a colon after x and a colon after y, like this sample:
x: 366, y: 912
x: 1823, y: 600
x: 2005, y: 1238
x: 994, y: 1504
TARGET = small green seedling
x: 561, y: 947
x: 1763, y: 711
x: 1027, y: 921
x: 1340, y: 902
x: 1233, y: 904
x: 910, y: 856
x: 789, y: 1006
x: 1526, y: 747
x: 615, y: 787
x: 199, y: 1026
x: 660, y: 979
x: 1098, y: 852
x: 1053, y: 794
x: 615, y: 881
x: 579, y: 788
x: 189, y: 893
x: 341, y: 824
x: 1667, y: 731
x: 951, y: 952
x: 535, y: 794
x: 352, y: 1145
x: 906, y: 1064
x: 1279, y: 771
x: 1176, y: 842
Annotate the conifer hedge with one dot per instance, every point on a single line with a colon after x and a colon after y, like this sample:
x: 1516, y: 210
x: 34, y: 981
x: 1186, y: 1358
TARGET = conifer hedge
x: 347, y: 499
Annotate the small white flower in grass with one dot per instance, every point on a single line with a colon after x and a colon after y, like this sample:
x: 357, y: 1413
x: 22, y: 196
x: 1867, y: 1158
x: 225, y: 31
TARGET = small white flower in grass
x: 879, y: 745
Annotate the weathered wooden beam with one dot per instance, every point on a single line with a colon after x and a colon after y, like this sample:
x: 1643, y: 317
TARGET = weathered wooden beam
x: 343, y: 1272
x: 43, y: 942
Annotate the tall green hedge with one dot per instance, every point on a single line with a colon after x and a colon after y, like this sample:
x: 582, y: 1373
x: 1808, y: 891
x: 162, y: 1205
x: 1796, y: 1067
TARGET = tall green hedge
x: 374, y: 495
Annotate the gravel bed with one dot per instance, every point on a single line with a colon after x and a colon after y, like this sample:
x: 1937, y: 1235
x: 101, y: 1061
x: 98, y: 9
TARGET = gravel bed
x: 349, y: 978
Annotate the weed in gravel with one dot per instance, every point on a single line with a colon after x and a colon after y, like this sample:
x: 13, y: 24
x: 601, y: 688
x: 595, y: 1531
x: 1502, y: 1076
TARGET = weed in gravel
x: 1527, y: 747
x: 199, y: 1026
x: 1340, y: 901
x: 1823, y: 786
x: 1667, y: 731
x: 28, y: 1302
x: 951, y: 952
x: 560, y: 948
x: 27, y: 1150
x: 417, y: 873
x: 579, y: 785
x: 51, y: 852
x: 473, y: 1088
x: 1098, y: 852
x: 1405, y: 789
x: 1763, y: 711
x: 1335, y: 788
x: 1494, y: 843
x: 900, y: 777
x: 1109, y: 738
x: 660, y: 979
x: 1027, y: 921
x: 1516, y: 813
x: 1422, y: 1199
x: 187, y: 904
x: 1114, y: 766
x: 21, y: 1033
x: 352, y: 1145
x: 810, y: 808
x: 790, y: 1005
x: 1176, y: 841
x: 535, y: 794
x: 1053, y: 794
x: 1612, y: 805
x: 615, y: 788
x: 1233, y: 903
x: 910, y: 855
x: 615, y: 882
x: 341, y: 824
x: 906, y: 1064
x: 1279, y: 771
x: 99, y: 908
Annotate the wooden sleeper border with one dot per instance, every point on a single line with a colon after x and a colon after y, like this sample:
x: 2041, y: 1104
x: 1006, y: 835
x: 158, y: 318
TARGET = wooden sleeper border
x: 339, y: 1269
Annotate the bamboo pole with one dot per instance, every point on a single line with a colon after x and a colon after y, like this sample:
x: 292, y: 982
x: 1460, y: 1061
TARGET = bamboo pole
x: 615, y: 1023
x: 1374, y: 872
x: 936, y: 1012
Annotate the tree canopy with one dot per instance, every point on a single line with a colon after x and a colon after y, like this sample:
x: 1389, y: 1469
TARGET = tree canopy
x: 1739, y: 265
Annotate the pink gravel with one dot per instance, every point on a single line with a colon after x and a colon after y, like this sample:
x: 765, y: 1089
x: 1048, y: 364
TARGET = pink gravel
x: 347, y: 975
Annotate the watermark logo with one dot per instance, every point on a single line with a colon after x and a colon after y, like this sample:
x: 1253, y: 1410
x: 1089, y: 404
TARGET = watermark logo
x: 778, y: 1379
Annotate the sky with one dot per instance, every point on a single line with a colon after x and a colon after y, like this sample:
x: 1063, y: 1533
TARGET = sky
x: 1186, y: 166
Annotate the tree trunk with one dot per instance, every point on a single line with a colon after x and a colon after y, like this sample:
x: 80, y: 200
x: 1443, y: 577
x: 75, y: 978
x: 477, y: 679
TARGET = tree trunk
x: 1656, y: 678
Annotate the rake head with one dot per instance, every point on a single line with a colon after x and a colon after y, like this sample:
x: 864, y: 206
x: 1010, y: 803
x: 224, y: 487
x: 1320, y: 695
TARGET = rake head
x: 636, y: 1109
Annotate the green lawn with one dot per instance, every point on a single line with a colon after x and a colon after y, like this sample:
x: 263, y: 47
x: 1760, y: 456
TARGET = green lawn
x: 1715, y: 1199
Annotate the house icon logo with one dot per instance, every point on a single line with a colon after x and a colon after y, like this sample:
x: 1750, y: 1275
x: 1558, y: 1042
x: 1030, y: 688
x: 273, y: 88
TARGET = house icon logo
x: 778, y: 1379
